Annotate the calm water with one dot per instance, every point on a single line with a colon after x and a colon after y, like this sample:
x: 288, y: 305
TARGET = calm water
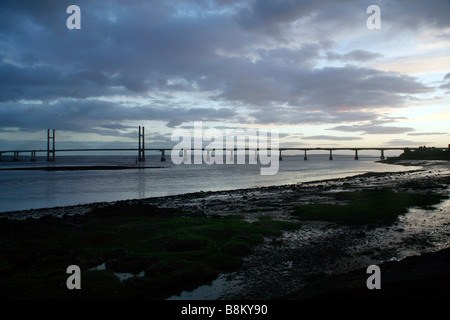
x: 31, y: 189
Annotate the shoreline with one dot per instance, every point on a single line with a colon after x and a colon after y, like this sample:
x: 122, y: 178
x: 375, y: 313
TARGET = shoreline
x: 319, y: 250
x: 85, y: 207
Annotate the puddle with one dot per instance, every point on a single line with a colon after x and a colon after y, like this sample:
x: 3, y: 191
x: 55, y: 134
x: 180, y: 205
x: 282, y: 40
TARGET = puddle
x: 98, y: 268
x: 213, y: 291
x: 122, y: 276
x: 126, y: 276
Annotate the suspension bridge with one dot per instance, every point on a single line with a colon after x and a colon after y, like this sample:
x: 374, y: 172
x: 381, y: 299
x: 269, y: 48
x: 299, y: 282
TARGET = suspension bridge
x: 141, y: 150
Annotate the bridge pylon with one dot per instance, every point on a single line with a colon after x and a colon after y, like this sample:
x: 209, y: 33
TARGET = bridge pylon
x: 50, y: 151
x: 141, y: 151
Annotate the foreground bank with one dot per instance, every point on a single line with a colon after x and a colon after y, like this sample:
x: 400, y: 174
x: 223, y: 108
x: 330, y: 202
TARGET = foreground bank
x: 424, y: 277
x: 258, y: 242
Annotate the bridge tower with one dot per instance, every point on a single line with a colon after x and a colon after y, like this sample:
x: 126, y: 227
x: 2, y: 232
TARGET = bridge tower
x: 50, y: 152
x: 141, y: 156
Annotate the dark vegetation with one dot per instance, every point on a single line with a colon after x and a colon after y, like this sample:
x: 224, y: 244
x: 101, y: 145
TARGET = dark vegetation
x: 372, y: 207
x: 424, y: 153
x: 424, y: 277
x: 172, y: 252
x: 166, y: 250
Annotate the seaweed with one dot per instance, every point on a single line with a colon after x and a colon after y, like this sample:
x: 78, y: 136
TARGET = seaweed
x: 173, y: 252
x: 372, y: 207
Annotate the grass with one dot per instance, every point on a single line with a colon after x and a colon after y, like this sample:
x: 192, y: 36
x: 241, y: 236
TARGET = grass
x: 175, y: 252
x: 370, y: 207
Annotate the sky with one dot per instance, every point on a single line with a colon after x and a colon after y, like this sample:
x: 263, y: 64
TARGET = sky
x: 311, y: 69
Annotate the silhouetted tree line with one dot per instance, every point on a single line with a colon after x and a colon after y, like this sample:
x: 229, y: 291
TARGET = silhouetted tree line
x: 426, y: 153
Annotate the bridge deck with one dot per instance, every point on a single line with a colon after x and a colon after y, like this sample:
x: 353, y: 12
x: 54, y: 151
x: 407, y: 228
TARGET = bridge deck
x: 222, y: 149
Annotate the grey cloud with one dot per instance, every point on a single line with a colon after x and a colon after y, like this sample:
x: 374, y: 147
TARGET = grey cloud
x: 447, y: 80
x: 408, y: 13
x: 414, y: 14
x: 155, y: 58
x: 275, y: 17
x: 426, y: 133
x: 372, y: 129
x: 267, y: 14
x: 116, y: 126
x: 297, y: 116
x: 136, y: 47
x: 344, y: 88
x: 350, y: 87
x: 406, y: 143
x: 336, y: 138
x: 355, y: 55
x: 99, y: 117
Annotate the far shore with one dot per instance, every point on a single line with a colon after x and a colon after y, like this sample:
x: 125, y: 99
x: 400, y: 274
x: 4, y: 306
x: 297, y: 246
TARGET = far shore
x: 73, y: 168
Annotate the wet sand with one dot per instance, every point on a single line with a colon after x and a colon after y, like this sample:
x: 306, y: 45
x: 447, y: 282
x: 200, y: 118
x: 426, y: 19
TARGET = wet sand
x: 320, y: 259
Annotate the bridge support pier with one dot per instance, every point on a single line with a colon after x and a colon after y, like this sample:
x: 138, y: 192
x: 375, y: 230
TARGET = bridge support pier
x: 305, y: 157
x: 163, y: 155
x: 382, y: 155
x: 16, y: 156
x: 356, y: 155
x: 280, y: 158
x: 331, y: 155
x: 33, y: 156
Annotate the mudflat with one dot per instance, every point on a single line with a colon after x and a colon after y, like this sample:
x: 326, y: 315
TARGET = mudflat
x: 303, y: 241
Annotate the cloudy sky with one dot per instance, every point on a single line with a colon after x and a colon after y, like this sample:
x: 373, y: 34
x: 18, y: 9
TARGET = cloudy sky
x: 311, y: 69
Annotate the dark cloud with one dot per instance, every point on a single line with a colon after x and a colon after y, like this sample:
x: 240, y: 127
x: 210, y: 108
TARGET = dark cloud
x: 241, y: 55
x: 99, y: 116
x: 328, y: 89
x: 415, y: 14
x: 275, y: 17
x: 268, y: 15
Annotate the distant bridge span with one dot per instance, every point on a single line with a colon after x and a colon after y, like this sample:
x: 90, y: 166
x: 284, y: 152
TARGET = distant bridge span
x: 163, y: 151
x: 51, y: 150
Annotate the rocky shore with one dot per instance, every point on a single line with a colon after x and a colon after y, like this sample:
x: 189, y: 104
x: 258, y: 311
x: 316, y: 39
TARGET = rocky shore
x: 321, y: 259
